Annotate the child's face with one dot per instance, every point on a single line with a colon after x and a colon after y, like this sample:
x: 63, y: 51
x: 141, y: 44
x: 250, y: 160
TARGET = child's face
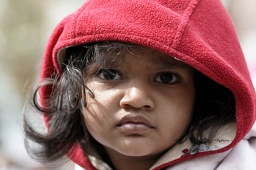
x: 142, y: 106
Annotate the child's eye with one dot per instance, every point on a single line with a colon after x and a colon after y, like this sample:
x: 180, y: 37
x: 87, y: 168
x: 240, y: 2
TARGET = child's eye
x: 167, y: 78
x: 108, y: 74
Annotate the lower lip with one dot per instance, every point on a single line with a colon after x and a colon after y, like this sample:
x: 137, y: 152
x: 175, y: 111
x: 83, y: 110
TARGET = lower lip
x: 135, y: 128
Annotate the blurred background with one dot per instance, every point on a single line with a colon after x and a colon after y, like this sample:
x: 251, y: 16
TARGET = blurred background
x: 25, y: 26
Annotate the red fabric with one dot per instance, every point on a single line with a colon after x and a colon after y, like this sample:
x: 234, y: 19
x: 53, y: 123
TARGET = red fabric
x: 198, y: 32
x: 77, y: 155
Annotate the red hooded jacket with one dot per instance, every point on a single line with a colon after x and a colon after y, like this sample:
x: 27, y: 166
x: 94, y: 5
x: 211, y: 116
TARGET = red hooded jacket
x: 197, y: 32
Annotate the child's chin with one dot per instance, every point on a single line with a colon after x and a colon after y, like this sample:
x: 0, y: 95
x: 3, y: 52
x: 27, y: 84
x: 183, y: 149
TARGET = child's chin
x: 137, y: 153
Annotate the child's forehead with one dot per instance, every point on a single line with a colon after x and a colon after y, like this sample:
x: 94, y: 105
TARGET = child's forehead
x: 112, y: 54
x: 154, y: 56
x: 158, y: 55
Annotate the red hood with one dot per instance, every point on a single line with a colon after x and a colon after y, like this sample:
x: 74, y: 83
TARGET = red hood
x: 197, y: 32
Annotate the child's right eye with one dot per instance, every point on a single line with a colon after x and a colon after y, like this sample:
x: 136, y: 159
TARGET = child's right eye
x: 108, y: 74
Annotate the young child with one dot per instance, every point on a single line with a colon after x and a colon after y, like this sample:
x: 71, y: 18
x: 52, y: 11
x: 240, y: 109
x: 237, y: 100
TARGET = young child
x: 152, y: 84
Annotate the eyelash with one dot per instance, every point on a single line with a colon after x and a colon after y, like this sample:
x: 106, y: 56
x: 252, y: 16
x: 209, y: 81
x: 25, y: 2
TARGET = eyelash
x: 110, y: 72
x: 113, y: 75
x: 173, y: 77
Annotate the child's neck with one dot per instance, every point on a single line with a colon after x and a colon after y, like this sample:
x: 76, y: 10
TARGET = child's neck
x: 123, y: 162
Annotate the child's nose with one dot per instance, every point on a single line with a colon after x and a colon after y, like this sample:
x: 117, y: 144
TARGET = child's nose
x: 137, y: 97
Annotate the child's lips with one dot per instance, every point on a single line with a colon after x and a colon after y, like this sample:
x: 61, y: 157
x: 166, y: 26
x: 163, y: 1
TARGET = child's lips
x: 135, y: 124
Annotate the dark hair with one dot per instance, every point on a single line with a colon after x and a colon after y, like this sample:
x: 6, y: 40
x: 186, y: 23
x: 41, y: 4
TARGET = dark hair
x: 214, y: 105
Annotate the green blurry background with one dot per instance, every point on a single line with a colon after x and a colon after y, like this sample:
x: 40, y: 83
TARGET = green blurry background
x: 25, y: 26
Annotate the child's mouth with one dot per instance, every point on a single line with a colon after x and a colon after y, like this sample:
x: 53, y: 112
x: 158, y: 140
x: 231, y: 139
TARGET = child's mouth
x: 135, y: 124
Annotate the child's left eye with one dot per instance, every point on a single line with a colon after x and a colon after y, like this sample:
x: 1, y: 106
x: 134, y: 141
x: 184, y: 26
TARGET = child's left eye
x: 108, y: 74
x: 167, y: 78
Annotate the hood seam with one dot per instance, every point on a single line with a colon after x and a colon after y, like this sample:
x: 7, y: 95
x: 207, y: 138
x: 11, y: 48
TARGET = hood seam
x: 188, y: 12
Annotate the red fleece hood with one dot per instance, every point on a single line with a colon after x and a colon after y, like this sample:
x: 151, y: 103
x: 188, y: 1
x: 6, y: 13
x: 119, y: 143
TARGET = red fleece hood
x: 197, y: 32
